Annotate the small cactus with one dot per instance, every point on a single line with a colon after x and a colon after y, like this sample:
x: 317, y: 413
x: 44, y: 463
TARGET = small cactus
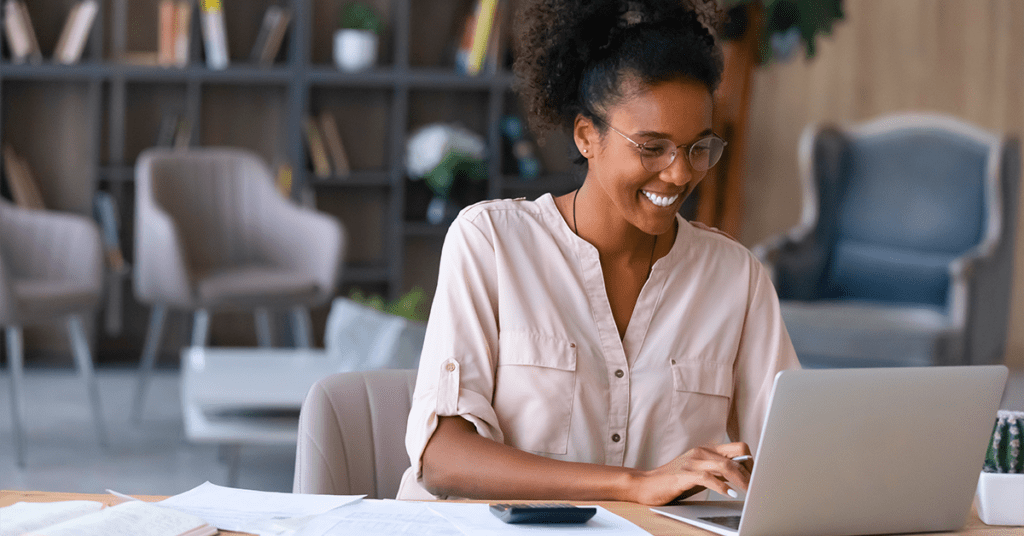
x: 1003, y: 454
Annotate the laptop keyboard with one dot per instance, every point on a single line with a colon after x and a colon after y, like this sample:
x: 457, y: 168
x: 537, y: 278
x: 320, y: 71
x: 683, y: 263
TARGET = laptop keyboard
x: 732, y: 522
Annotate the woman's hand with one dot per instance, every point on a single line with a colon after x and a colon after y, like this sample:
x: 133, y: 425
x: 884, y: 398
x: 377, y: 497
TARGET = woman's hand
x: 693, y: 471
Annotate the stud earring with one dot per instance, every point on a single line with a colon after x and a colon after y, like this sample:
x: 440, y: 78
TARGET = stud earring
x: 584, y: 150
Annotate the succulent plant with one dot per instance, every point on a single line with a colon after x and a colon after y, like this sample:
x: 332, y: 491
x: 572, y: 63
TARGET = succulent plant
x: 1003, y: 454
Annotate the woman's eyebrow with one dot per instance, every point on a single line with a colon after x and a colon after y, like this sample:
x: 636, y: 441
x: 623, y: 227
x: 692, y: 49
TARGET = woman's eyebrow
x: 653, y: 134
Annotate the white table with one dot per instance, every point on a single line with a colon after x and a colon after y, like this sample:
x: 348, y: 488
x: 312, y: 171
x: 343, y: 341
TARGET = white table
x: 247, y: 396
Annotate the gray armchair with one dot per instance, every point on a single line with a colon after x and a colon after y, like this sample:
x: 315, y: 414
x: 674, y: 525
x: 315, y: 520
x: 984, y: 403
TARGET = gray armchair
x: 213, y: 233
x: 903, y: 255
x: 51, y: 268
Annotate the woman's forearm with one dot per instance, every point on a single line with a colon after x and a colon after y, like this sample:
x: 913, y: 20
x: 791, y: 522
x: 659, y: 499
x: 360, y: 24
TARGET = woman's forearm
x: 459, y: 462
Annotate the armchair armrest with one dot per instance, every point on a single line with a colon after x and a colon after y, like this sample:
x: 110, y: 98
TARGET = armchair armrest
x: 55, y: 245
x: 305, y: 240
x: 161, y: 270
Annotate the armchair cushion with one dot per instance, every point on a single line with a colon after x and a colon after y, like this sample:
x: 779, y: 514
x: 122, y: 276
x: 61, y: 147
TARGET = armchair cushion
x: 256, y: 285
x: 53, y: 298
x: 869, y: 334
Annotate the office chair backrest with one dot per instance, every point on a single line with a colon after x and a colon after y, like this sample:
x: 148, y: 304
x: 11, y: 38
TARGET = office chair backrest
x: 352, y: 434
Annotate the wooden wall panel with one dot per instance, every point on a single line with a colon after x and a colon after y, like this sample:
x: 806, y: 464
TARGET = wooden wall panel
x: 962, y: 57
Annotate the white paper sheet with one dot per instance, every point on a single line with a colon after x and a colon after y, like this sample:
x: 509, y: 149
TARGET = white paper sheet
x: 246, y: 510
x: 371, y: 517
x: 476, y: 519
x: 23, y: 517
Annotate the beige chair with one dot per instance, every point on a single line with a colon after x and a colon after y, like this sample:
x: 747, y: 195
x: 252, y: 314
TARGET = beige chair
x: 51, y: 268
x: 352, y: 434
x: 213, y: 233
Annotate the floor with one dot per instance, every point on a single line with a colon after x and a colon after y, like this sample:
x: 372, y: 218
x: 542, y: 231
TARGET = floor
x: 153, y: 457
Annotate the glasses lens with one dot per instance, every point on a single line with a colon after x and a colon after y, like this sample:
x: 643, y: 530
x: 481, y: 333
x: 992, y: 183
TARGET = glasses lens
x: 705, y: 153
x: 657, y: 155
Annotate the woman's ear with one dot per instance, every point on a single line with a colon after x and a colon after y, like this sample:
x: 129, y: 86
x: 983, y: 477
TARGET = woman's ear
x: 585, y: 135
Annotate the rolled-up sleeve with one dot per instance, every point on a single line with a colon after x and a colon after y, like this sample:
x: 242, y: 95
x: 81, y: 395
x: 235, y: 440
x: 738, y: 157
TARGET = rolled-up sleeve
x: 764, y: 350
x: 456, y: 371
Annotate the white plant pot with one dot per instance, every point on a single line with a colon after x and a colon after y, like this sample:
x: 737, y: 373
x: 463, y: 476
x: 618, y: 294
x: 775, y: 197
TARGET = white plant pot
x: 355, y: 50
x: 1000, y: 498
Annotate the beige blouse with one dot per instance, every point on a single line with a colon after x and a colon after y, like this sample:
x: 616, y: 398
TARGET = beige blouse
x: 521, y: 342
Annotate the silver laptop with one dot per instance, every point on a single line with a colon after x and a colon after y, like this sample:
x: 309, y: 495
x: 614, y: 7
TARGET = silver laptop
x: 863, y: 451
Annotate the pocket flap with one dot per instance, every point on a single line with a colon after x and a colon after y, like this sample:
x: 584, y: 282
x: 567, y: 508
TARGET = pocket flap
x: 525, y: 348
x: 706, y: 377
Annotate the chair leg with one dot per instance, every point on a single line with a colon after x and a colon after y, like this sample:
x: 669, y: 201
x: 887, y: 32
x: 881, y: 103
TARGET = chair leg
x: 201, y: 327
x: 302, y: 327
x: 264, y: 331
x: 233, y: 456
x: 14, y: 359
x: 83, y: 358
x: 149, y: 355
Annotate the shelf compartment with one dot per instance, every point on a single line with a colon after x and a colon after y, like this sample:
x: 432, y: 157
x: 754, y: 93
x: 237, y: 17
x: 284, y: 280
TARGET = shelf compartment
x: 54, y: 127
x: 149, y: 109
x: 363, y: 118
x: 326, y: 18
x: 252, y: 117
x: 53, y: 71
x: 363, y: 212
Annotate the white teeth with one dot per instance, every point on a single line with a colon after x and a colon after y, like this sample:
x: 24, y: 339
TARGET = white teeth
x: 659, y: 200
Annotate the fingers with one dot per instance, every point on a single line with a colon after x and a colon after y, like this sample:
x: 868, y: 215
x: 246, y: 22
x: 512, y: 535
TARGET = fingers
x: 726, y: 469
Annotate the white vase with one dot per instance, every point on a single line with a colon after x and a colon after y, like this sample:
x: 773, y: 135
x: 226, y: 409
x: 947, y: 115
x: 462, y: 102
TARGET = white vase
x: 1000, y: 498
x: 355, y: 50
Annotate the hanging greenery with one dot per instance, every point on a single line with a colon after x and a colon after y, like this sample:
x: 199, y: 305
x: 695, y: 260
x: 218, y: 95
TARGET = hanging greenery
x: 787, y: 23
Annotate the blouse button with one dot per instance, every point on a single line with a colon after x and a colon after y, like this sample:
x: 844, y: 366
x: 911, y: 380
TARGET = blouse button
x: 572, y: 345
x: 450, y: 367
x: 619, y: 373
x: 616, y: 438
x: 673, y: 361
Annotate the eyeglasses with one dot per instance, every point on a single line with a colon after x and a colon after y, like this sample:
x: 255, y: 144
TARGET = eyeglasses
x: 657, y: 155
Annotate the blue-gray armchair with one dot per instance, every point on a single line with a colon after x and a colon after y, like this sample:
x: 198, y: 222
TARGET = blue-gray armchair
x: 903, y: 255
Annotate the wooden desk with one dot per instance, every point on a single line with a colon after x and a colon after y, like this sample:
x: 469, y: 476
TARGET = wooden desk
x: 655, y: 524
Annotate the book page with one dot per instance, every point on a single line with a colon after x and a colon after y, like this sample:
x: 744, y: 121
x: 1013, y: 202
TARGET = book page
x: 23, y: 517
x: 133, y: 518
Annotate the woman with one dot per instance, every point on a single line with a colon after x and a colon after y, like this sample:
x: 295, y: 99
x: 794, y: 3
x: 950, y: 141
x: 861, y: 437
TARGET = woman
x: 597, y: 346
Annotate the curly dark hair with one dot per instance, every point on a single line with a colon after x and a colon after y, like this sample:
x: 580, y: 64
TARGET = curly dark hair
x: 574, y: 56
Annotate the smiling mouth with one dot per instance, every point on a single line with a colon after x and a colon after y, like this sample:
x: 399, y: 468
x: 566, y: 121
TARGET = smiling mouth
x: 660, y: 200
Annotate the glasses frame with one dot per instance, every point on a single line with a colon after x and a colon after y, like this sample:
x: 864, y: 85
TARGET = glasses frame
x: 687, y: 146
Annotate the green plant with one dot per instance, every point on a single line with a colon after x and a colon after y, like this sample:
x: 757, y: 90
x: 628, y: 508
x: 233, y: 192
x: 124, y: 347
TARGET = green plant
x: 360, y: 16
x: 785, y: 23
x: 411, y: 305
x: 1004, y: 454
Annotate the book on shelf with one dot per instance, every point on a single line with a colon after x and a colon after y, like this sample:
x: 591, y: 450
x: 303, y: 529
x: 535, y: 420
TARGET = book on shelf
x: 76, y: 30
x: 483, y: 24
x: 166, y: 10
x: 271, y: 36
x: 105, y: 212
x: 182, y: 32
x: 91, y: 518
x: 174, y: 33
x: 22, y: 183
x: 317, y: 151
x: 21, y: 36
x: 215, y: 39
x: 332, y: 139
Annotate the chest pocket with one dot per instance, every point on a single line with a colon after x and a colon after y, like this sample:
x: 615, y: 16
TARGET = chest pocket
x: 534, y: 389
x: 701, y: 398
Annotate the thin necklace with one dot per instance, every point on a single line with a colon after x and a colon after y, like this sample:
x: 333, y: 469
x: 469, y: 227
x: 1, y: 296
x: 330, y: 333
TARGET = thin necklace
x: 575, y: 229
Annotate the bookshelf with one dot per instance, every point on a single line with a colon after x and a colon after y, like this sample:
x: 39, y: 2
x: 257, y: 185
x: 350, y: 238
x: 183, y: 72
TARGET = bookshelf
x: 82, y: 126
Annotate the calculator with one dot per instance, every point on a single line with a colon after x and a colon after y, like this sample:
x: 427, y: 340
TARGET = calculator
x: 543, y: 513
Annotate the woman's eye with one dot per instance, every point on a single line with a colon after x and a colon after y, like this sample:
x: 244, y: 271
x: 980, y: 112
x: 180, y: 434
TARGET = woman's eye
x: 652, y: 151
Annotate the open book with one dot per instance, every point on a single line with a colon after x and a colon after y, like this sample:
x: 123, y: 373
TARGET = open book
x: 90, y: 518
